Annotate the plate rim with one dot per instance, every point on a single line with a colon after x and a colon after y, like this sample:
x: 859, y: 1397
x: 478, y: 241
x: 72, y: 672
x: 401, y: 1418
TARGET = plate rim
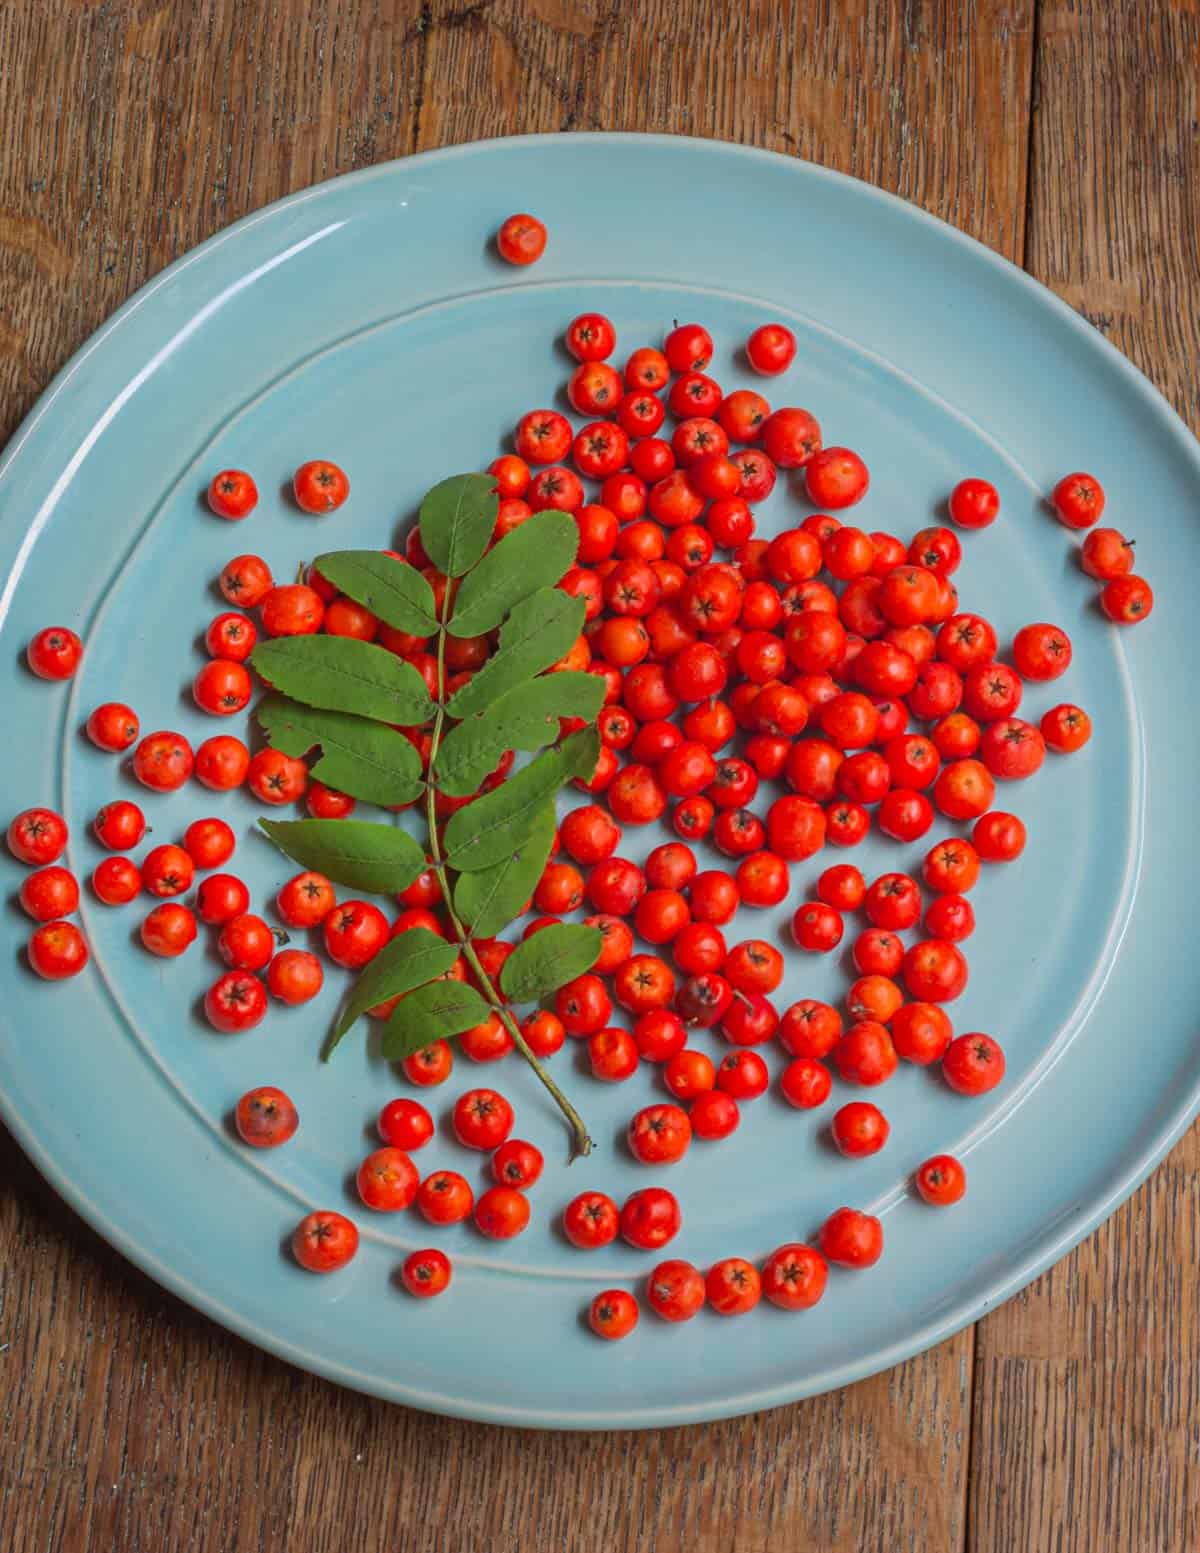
x: 1047, y: 1247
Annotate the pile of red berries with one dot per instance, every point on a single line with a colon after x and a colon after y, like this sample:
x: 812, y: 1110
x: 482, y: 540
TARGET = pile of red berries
x: 388, y: 1181
x: 765, y: 697
x: 1106, y: 555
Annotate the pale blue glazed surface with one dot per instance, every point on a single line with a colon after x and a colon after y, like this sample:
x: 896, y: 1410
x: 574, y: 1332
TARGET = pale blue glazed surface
x: 365, y: 321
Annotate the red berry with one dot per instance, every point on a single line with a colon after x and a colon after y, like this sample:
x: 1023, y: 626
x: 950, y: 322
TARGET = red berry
x: 482, y: 1119
x: 54, y: 653
x: 851, y: 1238
x: 1065, y: 728
x: 57, y: 951
x: 650, y: 1218
x: 714, y: 1115
x: 235, y: 1002
x: 810, y: 1029
x: 791, y: 438
x: 49, y: 893
x: 324, y: 1241
x: 973, y: 1064
x: 859, y: 1129
x: 771, y: 349
x: 1078, y: 500
x: 806, y: 1083
x: 675, y: 1290
x: 1106, y: 554
x: 921, y: 1032
x: 502, y: 1213
x: 865, y: 1054
x: 592, y: 1219
x: 265, y: 1117
x: 613, y: 1314
x: 659, y: 1134
x: 941, y: 1180
x: 817, y: 927
x: 294, y: 976
x: 209, y: 842
x: 444, y: 1198
x: 1043, y: 652
x: 426, y: 1273
x: 999, y: 837
x: 521, y: 239
x: 794, y: 1277
x: 743, y: 1074
x: 590, y: 337
x: 405, y: 1124
x: 974, y: 503
x: 387, y: 1180
x: 113, y: 727
x: 318, y: 487
x: 246, y: 581
x: 232, y: 494
x: 220, y: 898
x: 163, y: 761
x: 1127, y: 600
x: 517, y: 1163
x: 37, y: 836
x: 733, y: 1286
x: 836, y: 478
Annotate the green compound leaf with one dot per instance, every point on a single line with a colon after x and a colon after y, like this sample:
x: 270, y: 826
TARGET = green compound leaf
x: 391, y: 589
x: 431, y: 1013
x: 345, y: 675
x: 523, y: 719
x: 490, y: 899
x: 410, y: 960
x: 379, y: 859
x: 363, y: 758
x: 492, y: 827
x: 549, y: 960
x: 535, y: 555
x: 458, y: 518
x: 537, y: 633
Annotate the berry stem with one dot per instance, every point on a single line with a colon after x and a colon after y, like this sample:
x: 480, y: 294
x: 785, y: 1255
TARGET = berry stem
x: 581, y: 1142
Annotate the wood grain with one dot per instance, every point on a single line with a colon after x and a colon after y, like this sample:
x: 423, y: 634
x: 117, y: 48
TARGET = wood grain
x: 132, y: 131
x: 131, y: 1423
x: 1087, y: 1386
x: 1118, y: 92
x: 929, y: 100
x: 134, y: 128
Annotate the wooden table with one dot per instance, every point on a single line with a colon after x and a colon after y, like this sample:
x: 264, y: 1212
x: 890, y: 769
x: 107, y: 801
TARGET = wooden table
x: 1065, y: 134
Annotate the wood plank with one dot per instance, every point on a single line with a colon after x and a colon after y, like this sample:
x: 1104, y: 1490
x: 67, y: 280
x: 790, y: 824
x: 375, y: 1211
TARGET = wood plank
x: 1118, y: 92
x: 133, y: 130
x: 928, y: 100
x: 132, y: 1423
x: 1087, y: 1389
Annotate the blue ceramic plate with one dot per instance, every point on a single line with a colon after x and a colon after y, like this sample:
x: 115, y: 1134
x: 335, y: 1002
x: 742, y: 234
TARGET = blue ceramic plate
x: 367, y: 321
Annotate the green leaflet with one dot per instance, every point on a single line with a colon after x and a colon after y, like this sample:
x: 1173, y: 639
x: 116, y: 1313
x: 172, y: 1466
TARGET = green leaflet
x: 344, y: 675
x: 534, y: 555
x: 490, y: 899
x: 410, y: 960
x: 432, y: 1012
x: 536, y: 634
x: 391, y: 589
x: 549, y: 960
x: 458, y: 518
x: 525, y: 718
x: 363, y: 758
x: 492, y: 827
x: 377, y: 858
